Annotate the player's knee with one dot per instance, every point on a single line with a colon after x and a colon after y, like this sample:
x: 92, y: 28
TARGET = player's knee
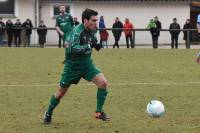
x: 60, y: 93
x: 103, y: 84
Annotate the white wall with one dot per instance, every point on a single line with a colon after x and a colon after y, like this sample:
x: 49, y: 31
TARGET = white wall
x: 139, y: 14
x: 25, y: 9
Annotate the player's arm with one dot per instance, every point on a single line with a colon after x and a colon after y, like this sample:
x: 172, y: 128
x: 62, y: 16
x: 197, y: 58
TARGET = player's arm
x: 71, y: 20
x: 58, y: 28
x: 76, y: 46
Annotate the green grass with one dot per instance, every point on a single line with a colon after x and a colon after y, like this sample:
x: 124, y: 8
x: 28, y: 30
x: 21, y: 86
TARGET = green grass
x: 28, y: 78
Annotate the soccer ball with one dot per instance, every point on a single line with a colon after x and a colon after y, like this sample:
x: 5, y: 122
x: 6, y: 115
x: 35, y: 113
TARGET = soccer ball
x: 155, y: 108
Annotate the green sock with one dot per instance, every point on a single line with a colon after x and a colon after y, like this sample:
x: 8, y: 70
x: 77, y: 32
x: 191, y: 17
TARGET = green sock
x: 53, y: 103
x: 101, y: 97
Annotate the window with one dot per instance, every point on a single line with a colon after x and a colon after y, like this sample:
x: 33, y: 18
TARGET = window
x: 56, y: 11
x: 7, y: 7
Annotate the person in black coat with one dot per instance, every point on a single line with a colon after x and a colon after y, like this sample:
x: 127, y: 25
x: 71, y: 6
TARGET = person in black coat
x: 187, y: 25
x: 158, y: 28
x: 28, y: 26
x: 76, y: 21
x: 17, y: 32
x: 42, y: 34
x: 117, y: 33
x: 2, y: 30
x: 174, y: 34
x: 9, y: 31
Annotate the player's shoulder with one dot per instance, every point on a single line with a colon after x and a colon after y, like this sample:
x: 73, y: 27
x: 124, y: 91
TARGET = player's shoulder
x: 68, y: 15
x: 79, y: 29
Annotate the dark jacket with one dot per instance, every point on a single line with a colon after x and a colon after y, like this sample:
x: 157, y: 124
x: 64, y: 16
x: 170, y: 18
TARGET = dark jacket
x: 9, y: 28
x: 76, y: 23
x: 174, y: 26
x: 117, y: 33
x: 42, y: 34
x: 28, y: 27
x: 17, y: 28
x: 2, y: 25
x: 158, y: 27
x: 187, y: 26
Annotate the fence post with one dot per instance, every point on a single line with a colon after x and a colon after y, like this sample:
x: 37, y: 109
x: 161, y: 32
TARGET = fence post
x: 188, y: 39
x: 134, y: 38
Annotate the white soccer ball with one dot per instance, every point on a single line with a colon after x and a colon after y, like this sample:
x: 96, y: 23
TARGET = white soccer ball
x: 155, y: 108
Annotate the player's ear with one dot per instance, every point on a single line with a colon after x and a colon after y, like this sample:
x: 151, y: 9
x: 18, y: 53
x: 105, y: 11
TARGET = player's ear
x: 85, y: 21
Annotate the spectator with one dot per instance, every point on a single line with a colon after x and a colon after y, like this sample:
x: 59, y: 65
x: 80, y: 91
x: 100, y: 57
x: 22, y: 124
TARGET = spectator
x: 101, y: 26
x: 198, y: 24
x: 117, y: 33
x: 9, y: 30
x: 158, y: 28
x: 175, y: 33
x: 128, y: 27
x: 187, y: 25
x: 42, y: 34
x: 76, y: 21
x: 2, y: 31
x: 152, y: 27
x: 28, y: 25
x: 17, y: 33
x: 104, y: 38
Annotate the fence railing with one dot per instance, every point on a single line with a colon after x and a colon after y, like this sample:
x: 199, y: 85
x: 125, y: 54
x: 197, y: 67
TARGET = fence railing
x: 134, y: 31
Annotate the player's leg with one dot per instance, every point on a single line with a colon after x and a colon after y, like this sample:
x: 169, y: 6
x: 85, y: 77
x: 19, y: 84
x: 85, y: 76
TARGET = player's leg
x: 54, y: 101
x: 102, y: 84
x: 94, y: 74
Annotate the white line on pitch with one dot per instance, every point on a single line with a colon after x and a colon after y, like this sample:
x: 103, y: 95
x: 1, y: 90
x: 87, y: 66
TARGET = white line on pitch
x: 111, y: 84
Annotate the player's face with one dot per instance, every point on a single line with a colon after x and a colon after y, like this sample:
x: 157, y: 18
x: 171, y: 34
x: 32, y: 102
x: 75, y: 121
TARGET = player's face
x: 92, y: 23
x: 62, y: 9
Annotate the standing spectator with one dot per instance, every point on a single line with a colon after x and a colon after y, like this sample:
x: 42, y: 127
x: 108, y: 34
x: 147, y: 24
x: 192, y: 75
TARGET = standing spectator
x: 101, y: 26
x: 17, y: 32
x: 2, y: 31
x: 9, y: 30
x: 76, y: 21
x: 128, y: 27
x: 187, y: 25
x: 28, y: 25
x: 175, y: 33
x: 42, y: 34
x: 198, y: 24
x: 104, y: 38
x: 158, y: 28
x: 117, y: 33
x: 152, y: 27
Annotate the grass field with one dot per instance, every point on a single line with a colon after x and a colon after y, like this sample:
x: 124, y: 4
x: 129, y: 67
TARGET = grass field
x: 28, y: 77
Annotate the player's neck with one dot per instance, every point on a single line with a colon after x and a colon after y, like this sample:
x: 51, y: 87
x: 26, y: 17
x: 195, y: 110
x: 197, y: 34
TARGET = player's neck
x: 62, y: 13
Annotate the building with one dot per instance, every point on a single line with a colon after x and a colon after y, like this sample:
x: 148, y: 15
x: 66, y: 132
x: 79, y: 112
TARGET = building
x: 139, y: 12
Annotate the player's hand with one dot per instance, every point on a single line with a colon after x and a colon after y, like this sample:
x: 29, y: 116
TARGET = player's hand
x: 61, y: 33
x: 95, y: 45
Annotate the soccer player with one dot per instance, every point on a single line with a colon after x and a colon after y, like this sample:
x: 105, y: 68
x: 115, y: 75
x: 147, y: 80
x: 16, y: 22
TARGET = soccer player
x: 198, y: 58
x: 80, y: 65
x: 198, y: 24
x: 64, y: 25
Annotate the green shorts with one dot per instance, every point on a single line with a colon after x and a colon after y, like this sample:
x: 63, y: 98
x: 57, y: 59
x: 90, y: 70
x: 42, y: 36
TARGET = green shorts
x: 73, y: 73
x: 67, y: 37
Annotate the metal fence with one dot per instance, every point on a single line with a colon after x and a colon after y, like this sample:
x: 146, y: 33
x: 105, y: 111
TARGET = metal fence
x: 52, y: 35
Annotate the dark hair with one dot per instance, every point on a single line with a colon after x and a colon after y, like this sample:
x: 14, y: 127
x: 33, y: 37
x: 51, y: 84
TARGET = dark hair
x: 62, y: 5
x: 88, y: 13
